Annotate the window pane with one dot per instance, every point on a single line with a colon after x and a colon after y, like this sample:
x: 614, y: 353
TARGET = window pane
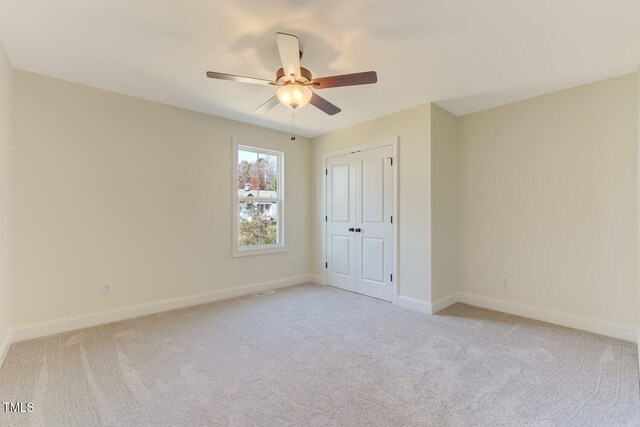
x: 267, y: 169
x: 258, y: 223
x: 247, y: 172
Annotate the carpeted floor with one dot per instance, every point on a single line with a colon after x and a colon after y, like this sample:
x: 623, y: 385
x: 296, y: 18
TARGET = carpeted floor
x: 313, y: 355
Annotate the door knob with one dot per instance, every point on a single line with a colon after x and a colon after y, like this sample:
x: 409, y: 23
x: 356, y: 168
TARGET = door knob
x: 351, y: 229
x: 358, y: 230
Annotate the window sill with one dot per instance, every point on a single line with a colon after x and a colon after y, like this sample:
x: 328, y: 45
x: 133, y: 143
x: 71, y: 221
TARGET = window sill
x: 259, y: 251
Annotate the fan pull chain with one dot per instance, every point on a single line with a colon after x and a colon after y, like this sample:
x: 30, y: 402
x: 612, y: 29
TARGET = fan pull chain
x: 293, y: 125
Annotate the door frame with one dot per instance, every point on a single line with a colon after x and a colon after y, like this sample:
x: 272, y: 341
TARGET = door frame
x: 393, y: 142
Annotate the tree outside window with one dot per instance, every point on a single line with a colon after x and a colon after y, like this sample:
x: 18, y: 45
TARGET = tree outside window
x: 259, y: 198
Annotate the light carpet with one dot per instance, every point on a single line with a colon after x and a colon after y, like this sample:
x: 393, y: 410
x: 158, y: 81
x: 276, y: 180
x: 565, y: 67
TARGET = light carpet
x: 318, y: 356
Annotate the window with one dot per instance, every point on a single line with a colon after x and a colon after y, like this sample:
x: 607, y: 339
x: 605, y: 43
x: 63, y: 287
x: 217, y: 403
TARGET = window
x: 258, y: 182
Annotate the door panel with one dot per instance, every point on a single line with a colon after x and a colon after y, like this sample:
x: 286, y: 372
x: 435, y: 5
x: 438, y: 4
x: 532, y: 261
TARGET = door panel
x: 373, y: 190
x: 373, y: 260
x: 341, y: 206
x: 341, y: 255
x: 341, y: 192
x: 374, y: 204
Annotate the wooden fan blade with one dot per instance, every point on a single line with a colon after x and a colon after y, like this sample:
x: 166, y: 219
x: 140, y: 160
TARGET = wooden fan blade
x: 324, y: 105
x: 365, y: 78
x: 241, y: 79
x: 289, y: 49
x: 268, y: 105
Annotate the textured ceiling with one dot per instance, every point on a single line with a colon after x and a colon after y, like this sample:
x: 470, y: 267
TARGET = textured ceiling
x: 465, y: 55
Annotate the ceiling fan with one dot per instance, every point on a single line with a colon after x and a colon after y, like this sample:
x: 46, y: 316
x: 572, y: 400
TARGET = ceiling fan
x: 295, y: 83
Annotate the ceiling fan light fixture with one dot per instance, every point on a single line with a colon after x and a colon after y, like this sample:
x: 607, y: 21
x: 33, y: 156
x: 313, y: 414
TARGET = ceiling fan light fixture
x: 294, y: 95
x: 294, y: 82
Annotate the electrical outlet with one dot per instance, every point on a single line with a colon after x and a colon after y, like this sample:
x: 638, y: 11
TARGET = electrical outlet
x: 107, y: 289
x: 505, y: 282
x: 294, y: 262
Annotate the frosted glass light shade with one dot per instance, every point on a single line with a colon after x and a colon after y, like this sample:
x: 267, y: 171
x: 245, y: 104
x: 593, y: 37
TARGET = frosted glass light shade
x: 294, y: 95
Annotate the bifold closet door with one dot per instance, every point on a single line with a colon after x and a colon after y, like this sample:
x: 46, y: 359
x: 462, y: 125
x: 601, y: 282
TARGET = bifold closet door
x: 359, y: 238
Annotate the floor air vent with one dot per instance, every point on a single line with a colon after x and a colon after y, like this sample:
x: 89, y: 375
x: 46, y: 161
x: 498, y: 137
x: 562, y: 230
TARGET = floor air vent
x: 263, y: 293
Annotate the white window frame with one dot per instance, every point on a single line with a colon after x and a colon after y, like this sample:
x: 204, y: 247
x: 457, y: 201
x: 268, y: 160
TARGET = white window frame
x: 282, y: 153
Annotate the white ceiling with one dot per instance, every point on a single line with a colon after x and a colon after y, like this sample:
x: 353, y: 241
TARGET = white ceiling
x: 465, y: 55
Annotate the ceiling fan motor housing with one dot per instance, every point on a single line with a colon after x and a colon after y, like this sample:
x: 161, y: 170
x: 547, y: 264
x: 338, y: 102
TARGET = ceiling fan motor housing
x: 305, y: 76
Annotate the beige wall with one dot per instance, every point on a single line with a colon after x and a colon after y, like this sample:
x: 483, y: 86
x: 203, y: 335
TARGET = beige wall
x: 445, y: 159
x: 113, y: 188
x: 414, y: 240
x: 549, y: 198
x: 5, y: 197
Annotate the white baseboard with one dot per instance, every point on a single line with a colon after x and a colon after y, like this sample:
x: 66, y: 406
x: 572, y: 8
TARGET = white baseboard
x: 415, y: 304
x: 425, y: 306
x: 444, y: 302
x: 36, y: 330
x: 625, y: 332
x: 4, y: 346
x: 317, y: 279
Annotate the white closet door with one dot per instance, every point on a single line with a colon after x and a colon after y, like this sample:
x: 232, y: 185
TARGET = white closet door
x: 374, y: 231
x: 359, y: 238
x: 341, y: 218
